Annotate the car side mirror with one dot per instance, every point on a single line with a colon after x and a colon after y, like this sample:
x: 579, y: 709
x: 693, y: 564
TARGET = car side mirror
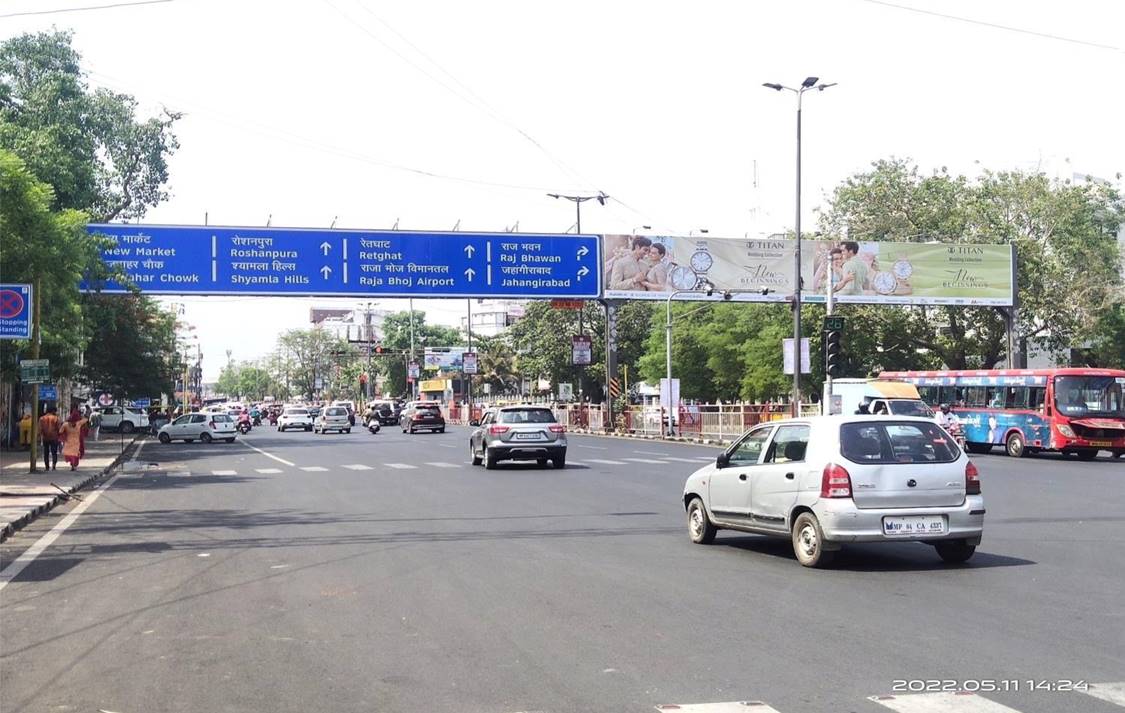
x: 723, y: 460
x: 474, y: 423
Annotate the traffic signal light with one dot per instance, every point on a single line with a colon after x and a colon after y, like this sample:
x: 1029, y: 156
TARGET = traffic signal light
x: 379, y: 348
x: 833, y: 352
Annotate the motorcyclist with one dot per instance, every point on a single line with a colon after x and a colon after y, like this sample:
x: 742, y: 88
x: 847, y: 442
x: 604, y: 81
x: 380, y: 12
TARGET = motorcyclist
x: 256, y: 415
x: 947, y: 419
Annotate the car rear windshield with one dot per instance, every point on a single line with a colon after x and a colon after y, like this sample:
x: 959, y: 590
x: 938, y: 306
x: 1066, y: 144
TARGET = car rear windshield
x: 336, y: 412
x: 296, y: 412
x: 527, y: 415
x: 896, y: 442
x: 220, y: 418
x: 428, y: 409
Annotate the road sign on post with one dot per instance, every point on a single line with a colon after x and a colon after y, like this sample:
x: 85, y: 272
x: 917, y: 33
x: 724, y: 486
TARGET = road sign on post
x: 412, y: 370
x: 469, y: 362
x: 787, y: 362
x: 35, y: 371
x: 48, y: 392
x: 582, y: 350
x: 15, y: 311
x: 161, y: 259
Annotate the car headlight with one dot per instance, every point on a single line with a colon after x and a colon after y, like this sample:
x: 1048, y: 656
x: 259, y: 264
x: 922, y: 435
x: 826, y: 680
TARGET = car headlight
x: 1066, y: 430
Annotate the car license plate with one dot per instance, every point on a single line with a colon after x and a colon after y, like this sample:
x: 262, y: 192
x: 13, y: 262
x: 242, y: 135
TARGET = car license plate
x: 914, y: 525
x: 527, y: 436
x: 1102, y: 444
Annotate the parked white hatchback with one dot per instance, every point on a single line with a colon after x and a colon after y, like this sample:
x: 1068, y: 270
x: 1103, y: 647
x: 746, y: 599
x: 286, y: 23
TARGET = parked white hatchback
x: 826, y: 481
x: 206, y: 427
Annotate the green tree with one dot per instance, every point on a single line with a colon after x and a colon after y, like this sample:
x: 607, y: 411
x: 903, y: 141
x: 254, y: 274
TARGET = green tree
x: 230, y: 382
x: 130, y: 350
x: 312, y: 354
x: 88, y: 144
x: 497, y: 365
x: 396, y: 345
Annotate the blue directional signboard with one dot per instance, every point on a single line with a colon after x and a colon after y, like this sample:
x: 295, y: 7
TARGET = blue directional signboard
x: 15, y: 311
x: 181, y: 260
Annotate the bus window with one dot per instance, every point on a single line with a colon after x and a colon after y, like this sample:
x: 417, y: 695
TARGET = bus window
x: 929, y: 394
x: 994, y: 396
x: 1015, y: 397
x: 976, y: 396
x: 1036, y: 396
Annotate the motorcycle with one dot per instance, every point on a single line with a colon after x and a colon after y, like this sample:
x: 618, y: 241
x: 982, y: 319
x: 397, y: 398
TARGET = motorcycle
x: 958, y: 433
x: 373, y: 424
x: 244, y: 427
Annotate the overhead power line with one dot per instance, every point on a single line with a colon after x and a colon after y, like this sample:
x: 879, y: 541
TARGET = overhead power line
x: 85, y: 8
x: 994, y: 25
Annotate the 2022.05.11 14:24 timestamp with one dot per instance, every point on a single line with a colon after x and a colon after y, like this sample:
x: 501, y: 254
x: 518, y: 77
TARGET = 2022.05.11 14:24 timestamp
x: 986, y: 685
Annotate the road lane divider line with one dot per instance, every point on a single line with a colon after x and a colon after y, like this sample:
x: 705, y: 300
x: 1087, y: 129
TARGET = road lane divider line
x: 357, y: 466
x: 444, y: 465
x: 605, y: 462
x: 268, y: 470
x: 224, y: 472
x: 645, y: 460
x: 651, y: 453
x: 314, y: 468
x: 37, y: 548
x: 949, y: 702
x: 401, y: 466
x: 267, y: 455
x: 1109, y: 692
x: 728, y: 707
x: 596, y: 448
x: 684, y: 460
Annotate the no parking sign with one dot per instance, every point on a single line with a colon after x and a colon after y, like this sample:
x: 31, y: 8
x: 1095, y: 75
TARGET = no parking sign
x: 15, y: 311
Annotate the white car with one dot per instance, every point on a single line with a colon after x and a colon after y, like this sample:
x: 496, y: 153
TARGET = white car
x: 827, y: 481
x: 125, y: 419
x: 333, y: 418
x: 295, y: 418
x: 206, y: 427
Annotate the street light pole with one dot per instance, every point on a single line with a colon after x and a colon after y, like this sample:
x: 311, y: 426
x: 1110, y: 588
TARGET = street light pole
x: 808, y: 84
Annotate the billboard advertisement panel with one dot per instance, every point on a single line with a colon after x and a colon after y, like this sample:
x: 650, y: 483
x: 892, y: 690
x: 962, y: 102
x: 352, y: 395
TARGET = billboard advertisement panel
x: 880, y: 272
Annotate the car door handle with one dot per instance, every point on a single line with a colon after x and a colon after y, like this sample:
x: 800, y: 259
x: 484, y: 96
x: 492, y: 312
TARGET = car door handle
x: 742, y: 476
x: 789, y: 476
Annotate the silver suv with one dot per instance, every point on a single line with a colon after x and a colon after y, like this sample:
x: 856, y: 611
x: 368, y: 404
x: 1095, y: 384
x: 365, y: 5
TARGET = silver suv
x: 518, y: 433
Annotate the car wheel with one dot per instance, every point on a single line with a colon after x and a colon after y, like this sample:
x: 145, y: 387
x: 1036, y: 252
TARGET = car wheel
x: 489, y: 460
x: 165, y: 438
x: 229, y: 440
x: 126, y: 427
x: 808, y: 542
x: 954, y: 551
x: 205, y: 437
x: 473, y: 457
x: 1015, y: 445
x: 347, y: 430
x: 441, y: 430
x: 700, y: 528
x: 559, y: 462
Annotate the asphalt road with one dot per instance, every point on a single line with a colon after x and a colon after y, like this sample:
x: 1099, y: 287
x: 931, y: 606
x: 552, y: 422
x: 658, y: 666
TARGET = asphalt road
x: 362, y: 572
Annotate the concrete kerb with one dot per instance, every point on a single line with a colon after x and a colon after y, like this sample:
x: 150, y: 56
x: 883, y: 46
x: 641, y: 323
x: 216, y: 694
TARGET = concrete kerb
x: 12, y: 527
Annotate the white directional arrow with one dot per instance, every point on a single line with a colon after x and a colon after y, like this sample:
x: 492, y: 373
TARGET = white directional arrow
x: 326, y: 271
x: 584, y: 271
x: 469, y: 272
x: 325, y: 247
x: 469, y: 251
x: 583, y: 251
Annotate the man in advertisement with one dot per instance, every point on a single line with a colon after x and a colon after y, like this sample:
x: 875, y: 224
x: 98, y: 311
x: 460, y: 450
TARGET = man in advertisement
x: 854, y: 273
x: 630, y: 271
x: 657, y: 278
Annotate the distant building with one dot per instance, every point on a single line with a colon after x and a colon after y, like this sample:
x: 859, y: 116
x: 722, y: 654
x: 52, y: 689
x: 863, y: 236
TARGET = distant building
x: 493, y: 317
x: 350, y: 324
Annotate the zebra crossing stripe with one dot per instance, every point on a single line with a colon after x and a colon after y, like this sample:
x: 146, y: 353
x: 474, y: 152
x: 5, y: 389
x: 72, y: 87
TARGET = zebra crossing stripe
x: 358, y: 466
x: 1108, y: 692
x: 959, y: 702
x: 268, y: 470
x: 314, y: 468
x: 401, y: 466
x: 605, y: 462
x: 645, y: 460
x: 444, y: 465
x: 224, y: 472
x: 729, y: 707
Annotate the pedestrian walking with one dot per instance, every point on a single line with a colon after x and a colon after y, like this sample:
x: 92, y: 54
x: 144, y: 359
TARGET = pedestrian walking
x: 49, y: 431
x: 95, y: 424
x: 25, y: 431
x: 73, y: 435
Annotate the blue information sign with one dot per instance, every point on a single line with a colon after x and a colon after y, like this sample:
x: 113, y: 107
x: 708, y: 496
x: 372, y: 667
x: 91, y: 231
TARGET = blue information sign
x: 142, y: 403
x: 15, y: 311
x: 210, y: 260
x: 48, y: 392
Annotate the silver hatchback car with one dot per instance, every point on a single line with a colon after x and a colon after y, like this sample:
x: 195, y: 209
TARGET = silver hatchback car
x: 826, y: 481
x: 518, y: 433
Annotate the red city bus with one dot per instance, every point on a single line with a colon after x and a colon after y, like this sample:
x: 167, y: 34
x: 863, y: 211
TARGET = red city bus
x: 1073, y: 410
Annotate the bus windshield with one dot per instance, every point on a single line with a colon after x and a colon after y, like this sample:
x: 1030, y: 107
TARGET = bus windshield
x: 1077, y: 396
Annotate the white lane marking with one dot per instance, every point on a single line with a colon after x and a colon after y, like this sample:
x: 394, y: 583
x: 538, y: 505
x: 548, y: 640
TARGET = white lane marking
x: 596, y: 448
x: 314, y: 468
x: 685, y: 460
x: 941, y: 703
x: 358, y: 466
x: 267, y: 455
x: 224, y: 472
x: 444, y: 465
x: 1109, y: 692
x: 730, y: 707
x: 645, y: 460
x: 708, y: 458
x: 20, y: 564
x: 401, y: 466
x: 447, y: 445
x: 651, y: 453
x: 605, y: 462
x: 268, y: 470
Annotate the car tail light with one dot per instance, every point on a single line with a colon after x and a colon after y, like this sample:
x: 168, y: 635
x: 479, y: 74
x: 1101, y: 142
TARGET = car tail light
x: 972, y: 479
x: 497, y: 430
x: 557, y: 428
x: 835, y: 482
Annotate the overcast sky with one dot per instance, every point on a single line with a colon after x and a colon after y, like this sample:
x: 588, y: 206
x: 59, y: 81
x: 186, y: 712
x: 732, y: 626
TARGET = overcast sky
x: 430, y: 113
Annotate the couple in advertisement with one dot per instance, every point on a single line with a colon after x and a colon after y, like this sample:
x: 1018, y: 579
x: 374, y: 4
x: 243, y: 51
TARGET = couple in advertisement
x: 640, y: 265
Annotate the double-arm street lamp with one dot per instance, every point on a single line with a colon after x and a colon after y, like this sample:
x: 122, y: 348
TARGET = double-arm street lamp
x: 809, y: 84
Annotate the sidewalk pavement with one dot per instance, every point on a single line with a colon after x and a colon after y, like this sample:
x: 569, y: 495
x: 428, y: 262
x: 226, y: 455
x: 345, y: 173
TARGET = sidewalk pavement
x: 24, y: 496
